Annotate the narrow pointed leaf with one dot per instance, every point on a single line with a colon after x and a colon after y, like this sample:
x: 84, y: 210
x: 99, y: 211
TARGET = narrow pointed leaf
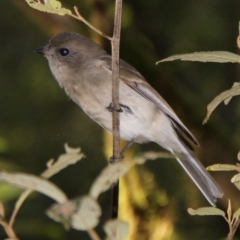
x: 204, y: 211
x: 227, y: 100
x: 236, y: 213
x: 35, y: 183
x: 221, y: 97
x: 236, y: 180
x: 222, y: 167
x: 214, y: 56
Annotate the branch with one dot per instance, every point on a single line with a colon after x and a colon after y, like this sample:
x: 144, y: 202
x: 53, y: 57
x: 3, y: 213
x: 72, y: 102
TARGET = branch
x: 115, y: 100
x: 115, y: 78
x: 81, y: 18
x: 233, y: 229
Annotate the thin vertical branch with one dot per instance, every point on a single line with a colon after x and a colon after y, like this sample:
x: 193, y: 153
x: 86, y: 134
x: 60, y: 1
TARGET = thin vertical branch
x: 115, y: 99
x: 115, y: 78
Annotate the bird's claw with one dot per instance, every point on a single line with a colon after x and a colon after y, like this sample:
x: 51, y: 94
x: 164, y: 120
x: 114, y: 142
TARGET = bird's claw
x: 112, y: 108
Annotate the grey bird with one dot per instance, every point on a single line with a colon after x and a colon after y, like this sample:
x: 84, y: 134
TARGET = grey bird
x: 83, y: 69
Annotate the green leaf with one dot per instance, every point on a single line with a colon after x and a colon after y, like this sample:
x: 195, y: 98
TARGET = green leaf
x: 221, y: 97
x: 204, y: 211
x: 222, y: 167
x: 214, y: 56
x: 236, y: 213
x: 236, y: 180
x: 50, y: 6
x: 35, y: 183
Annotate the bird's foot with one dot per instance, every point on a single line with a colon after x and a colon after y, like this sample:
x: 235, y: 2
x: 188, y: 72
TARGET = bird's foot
x: 114, y: 159
x: 112, y: 108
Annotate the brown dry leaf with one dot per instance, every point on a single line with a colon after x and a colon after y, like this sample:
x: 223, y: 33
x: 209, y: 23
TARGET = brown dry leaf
x: 108, y: 176
x: 35, y: 183
x: 222, y: 167
x: 72, y: 156
x: 50, y: 6
x: 116, y: 229
x: 212, y: 56
x: 220, y: 98
x: 204, y: 211
x: 87, y: 214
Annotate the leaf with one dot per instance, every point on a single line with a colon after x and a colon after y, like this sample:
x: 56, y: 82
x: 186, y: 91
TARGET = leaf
x: 222, y: 167
x: 50, y: 6
x: 204, y: 211
x: 236, y: 213
x: 108, y: 176
x: 32, y: 182
x: 221, y: 97
x: 72, y: 156
x: 62, y: 212
x: 214, y: 56
x: 2, y: 211
x: 87, y: 215
x: 154, y: 155
x: 236, y: 180
x: 116, y: 229
x: 81, y: 213
x: 227, y: 100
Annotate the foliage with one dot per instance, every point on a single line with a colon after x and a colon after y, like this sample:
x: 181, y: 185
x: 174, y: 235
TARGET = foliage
x: 81, y: 213
x: 34, y: 112
x: 226, y: 96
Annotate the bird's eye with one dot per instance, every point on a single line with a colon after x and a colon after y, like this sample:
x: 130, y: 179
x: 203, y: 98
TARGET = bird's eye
x: 64, y: 51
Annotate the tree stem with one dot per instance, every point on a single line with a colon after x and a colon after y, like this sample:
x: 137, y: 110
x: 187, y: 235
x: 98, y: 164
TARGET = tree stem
x: 115, y: 99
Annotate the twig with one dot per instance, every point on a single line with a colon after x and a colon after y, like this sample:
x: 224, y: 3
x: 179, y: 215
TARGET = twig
x: 92, y: 233
x: 81, y: 18
x: 115, y: 78
x: 115, y: 99
x: 18, y: 205
x: 233, y: 229
x: 9, y: 231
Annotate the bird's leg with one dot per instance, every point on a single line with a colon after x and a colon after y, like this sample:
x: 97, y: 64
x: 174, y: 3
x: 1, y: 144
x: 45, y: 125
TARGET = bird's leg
x: 112, y: 108
x: 128, y: 145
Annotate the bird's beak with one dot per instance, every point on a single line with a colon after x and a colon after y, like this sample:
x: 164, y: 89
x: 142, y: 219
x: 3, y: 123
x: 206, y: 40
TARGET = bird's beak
x: 40, y: 50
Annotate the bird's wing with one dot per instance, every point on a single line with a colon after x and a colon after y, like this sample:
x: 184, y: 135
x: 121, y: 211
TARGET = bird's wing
x: 130, y: 76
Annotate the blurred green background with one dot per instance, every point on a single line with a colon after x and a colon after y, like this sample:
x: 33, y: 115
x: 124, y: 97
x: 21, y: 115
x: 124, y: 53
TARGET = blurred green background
x: 37, y: 118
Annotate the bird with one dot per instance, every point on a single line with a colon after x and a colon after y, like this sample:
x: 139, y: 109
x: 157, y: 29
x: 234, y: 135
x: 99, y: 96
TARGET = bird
x: 83, y: 69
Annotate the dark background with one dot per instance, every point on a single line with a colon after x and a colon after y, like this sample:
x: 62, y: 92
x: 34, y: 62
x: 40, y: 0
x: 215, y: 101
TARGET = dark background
x: 36, y: 117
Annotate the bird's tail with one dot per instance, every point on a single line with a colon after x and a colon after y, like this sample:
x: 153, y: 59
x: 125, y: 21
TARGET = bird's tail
x: 200, y: 176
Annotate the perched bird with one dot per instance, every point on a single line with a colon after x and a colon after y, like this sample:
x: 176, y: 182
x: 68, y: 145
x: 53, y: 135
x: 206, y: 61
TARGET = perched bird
x: 83, y: 70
